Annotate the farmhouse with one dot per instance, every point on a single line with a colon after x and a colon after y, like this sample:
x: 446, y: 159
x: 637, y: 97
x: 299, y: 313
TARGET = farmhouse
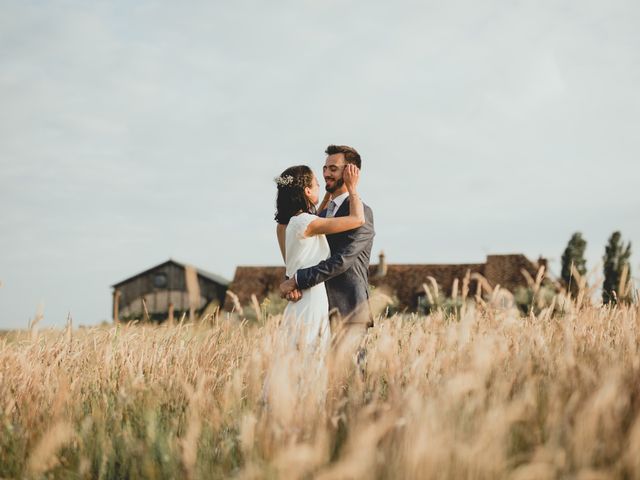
x: 404, y: 281
x: 167, y: 290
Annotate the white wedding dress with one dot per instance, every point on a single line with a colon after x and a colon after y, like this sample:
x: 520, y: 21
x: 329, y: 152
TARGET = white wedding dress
x: 307, y: 320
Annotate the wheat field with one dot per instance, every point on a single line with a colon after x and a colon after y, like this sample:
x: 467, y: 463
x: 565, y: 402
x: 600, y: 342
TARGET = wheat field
x: 487, y: 393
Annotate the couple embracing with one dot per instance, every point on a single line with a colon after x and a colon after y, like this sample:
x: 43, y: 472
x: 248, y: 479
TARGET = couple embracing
x: 326, y: 250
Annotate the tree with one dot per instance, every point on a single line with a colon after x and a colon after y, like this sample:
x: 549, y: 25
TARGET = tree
x: 616, y: 259
x: 574, y: 255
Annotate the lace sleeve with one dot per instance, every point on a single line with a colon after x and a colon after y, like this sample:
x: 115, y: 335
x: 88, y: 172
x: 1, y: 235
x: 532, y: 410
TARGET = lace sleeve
x: 300, y: 223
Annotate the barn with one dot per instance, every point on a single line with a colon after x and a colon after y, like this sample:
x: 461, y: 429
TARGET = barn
x: 168, y: 290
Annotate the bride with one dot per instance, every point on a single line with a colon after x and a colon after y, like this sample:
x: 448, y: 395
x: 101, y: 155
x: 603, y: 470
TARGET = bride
x: 301, y: 237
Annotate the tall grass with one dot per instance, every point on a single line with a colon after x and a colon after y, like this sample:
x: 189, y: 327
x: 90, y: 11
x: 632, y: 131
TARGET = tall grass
x: 492, y: 394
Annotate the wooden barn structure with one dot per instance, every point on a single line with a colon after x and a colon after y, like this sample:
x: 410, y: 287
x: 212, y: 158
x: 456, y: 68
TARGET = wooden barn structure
x: 404, y: 281
x: 166, y: 291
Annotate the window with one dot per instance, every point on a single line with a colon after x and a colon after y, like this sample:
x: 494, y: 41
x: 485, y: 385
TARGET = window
x: 160, y: 280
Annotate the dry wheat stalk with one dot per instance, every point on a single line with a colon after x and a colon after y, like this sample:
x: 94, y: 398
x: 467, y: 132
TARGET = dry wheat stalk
x: 493, y: 395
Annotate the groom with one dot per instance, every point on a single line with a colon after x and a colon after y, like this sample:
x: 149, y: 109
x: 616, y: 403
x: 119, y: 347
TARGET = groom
x: 346, y: 272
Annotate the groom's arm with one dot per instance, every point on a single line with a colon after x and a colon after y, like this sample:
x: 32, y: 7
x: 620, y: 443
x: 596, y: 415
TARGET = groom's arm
x: 341, y: 261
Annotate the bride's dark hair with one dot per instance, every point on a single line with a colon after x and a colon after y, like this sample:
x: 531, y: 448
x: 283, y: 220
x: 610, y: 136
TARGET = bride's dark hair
x: 291, y: 198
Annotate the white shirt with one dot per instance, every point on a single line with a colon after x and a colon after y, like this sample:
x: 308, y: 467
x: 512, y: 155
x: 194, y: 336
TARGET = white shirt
x: 339, y: 200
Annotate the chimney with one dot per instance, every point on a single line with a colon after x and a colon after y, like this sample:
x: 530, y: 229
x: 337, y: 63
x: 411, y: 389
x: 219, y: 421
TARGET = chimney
x: 382, y: 265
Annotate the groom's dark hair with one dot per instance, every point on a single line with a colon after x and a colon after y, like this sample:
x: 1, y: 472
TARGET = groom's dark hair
x: 291, y: 198
x: 350, y: 154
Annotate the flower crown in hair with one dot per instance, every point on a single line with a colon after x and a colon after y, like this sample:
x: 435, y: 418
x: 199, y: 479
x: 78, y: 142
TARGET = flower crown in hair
x: 284, y: 181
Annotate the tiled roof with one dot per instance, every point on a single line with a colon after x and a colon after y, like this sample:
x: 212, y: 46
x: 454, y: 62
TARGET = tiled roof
x: 254, y: 280
x: 405, y: 281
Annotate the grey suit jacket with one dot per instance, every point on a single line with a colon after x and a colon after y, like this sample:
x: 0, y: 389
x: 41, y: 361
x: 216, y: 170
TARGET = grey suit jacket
x: 346, y: 272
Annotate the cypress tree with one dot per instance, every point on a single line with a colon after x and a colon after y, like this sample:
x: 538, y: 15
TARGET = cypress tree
x: 616, y: 256
x: 574, y: 254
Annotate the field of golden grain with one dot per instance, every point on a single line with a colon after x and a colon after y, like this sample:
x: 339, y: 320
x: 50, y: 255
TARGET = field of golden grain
x: 487, y: 394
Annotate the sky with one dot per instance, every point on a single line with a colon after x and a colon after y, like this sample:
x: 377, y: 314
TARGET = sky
x: 134, y: 132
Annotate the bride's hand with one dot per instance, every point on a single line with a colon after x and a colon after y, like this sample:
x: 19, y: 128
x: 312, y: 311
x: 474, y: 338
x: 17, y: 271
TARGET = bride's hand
x: 351, y: 176
x: 324, y: 202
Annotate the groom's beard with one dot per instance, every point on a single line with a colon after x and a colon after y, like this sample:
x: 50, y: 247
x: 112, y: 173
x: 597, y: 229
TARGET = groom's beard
x: 338, y: 184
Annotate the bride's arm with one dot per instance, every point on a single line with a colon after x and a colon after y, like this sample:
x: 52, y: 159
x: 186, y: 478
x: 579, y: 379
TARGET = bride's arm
x: 280, y: 233
x: 355, y: 218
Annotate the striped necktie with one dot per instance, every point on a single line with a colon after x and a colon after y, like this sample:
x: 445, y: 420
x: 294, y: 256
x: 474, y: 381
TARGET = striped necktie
x: 331, y: 210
